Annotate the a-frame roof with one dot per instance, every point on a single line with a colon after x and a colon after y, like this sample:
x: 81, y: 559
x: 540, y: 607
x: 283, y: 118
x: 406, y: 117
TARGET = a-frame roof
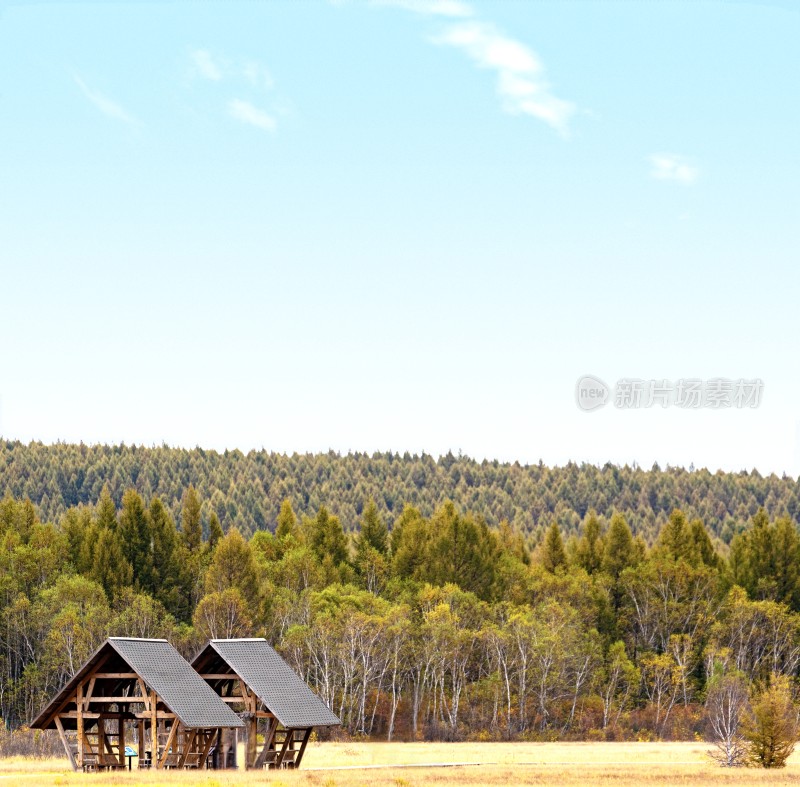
x: 272, y: 680
x: 164, y: 671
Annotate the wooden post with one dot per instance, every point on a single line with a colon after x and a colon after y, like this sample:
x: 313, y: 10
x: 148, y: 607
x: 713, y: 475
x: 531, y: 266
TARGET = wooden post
x: 209, y: 738
x: 101, y: 741
x: 269, y: 743
x: 67, y: 747
x: 140, y: 740
x: 170, y: 741
x: 299, y: 755
x: 252, y: 743
x: 188, y: 742
x: 287, y: 740
x: 79, y: 706
x: 121, y: 741
x: 154, y: 730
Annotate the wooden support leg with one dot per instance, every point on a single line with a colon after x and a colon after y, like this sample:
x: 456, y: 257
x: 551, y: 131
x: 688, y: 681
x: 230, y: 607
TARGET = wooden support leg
x: 67, y: 747
x: 79, y: 706
x: 154, y: 729
x: 209, y: 739
x: 102, y: 744
x: 252, y: 743
x: 302, y: 749
x: 284, y: 748
x: 140, y: 740
x: 168, y: 745
x: 269, y: 743
x: 188, y: 743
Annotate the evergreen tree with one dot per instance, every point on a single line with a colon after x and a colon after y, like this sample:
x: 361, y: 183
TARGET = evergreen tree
x: 620, y: 550
x: 233, y: 566
x: 326, y: 537
x: 78, y: 526
x: 191, y: 523
x: 674, y: 539
x: 702, y: 547
x: 771, y: 726
x: 373, y: 533
x: 136, y: 540
x: 169, y: 578
x: 462, y: 551
x: 765, y: 560
x: 110, y: 568
x: 554, y: 555
x: 215, y: 533
x: 787, y: 563
x: 590, y: 546
x: 287, y: 522
x: 411, y: 536
x: 106, y: 511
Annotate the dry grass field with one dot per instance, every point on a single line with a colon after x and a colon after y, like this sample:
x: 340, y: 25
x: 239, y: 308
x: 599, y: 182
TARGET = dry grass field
x: 490, y: 764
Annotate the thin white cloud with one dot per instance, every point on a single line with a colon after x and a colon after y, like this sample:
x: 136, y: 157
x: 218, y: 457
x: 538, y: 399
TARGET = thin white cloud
x: 206, y: 66
x: 451, y: 8
x: 668, y: 166
x: 247, y: 113
x: 257, y: 75
x: 108, y: 107
x: 521, y: 83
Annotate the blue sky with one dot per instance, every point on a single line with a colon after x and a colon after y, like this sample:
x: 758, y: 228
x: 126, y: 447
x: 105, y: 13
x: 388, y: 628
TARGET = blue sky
x: 400, y: 225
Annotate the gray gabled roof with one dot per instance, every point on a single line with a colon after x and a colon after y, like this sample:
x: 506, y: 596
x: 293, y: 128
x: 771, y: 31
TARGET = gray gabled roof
x: 273, y: 681
x: 164, y: 671
x: 181, y: 689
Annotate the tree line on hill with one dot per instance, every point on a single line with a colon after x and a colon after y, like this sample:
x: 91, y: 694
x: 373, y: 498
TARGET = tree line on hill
x: 246, y: 490
x: 441, y: 626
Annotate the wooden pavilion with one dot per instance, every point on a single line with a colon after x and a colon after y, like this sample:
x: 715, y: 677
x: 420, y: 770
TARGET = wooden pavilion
x: 140, y: 691
x: 269, y: 696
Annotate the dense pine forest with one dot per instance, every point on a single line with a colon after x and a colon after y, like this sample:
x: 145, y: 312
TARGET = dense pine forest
x: 246, y: 490
x: 525, y: 605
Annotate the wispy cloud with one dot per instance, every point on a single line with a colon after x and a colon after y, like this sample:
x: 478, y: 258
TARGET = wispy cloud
x: 668, y: 166
x: 108, y: 107
x: 206, y: 66
x: 257, y: 75
x: 521, y: 83
x: 452, y: 8
x: 247, y: 113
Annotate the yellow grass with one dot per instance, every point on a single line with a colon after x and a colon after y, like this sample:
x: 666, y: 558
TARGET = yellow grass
x: 347, y: 765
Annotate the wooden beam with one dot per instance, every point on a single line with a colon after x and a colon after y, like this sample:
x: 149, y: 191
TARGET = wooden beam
x: 121, y: 742
x: 69, y: 698
x: 88, y: 695
x: 116, y: 675
x: 218, y: 676
x: 117, y: 700
x: 206, y: 749
x: 102, y: 743
x: 143, y: 690
x: 284, y: 748
x: 67, y: 747
x: 269, y: 740
x: 299, y: 755
x: 187, y: 747
x: 170, y: 741
x: 79, y: 711
x: 148, y: 715
x: 251, y: 747
x: 154, y: 729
